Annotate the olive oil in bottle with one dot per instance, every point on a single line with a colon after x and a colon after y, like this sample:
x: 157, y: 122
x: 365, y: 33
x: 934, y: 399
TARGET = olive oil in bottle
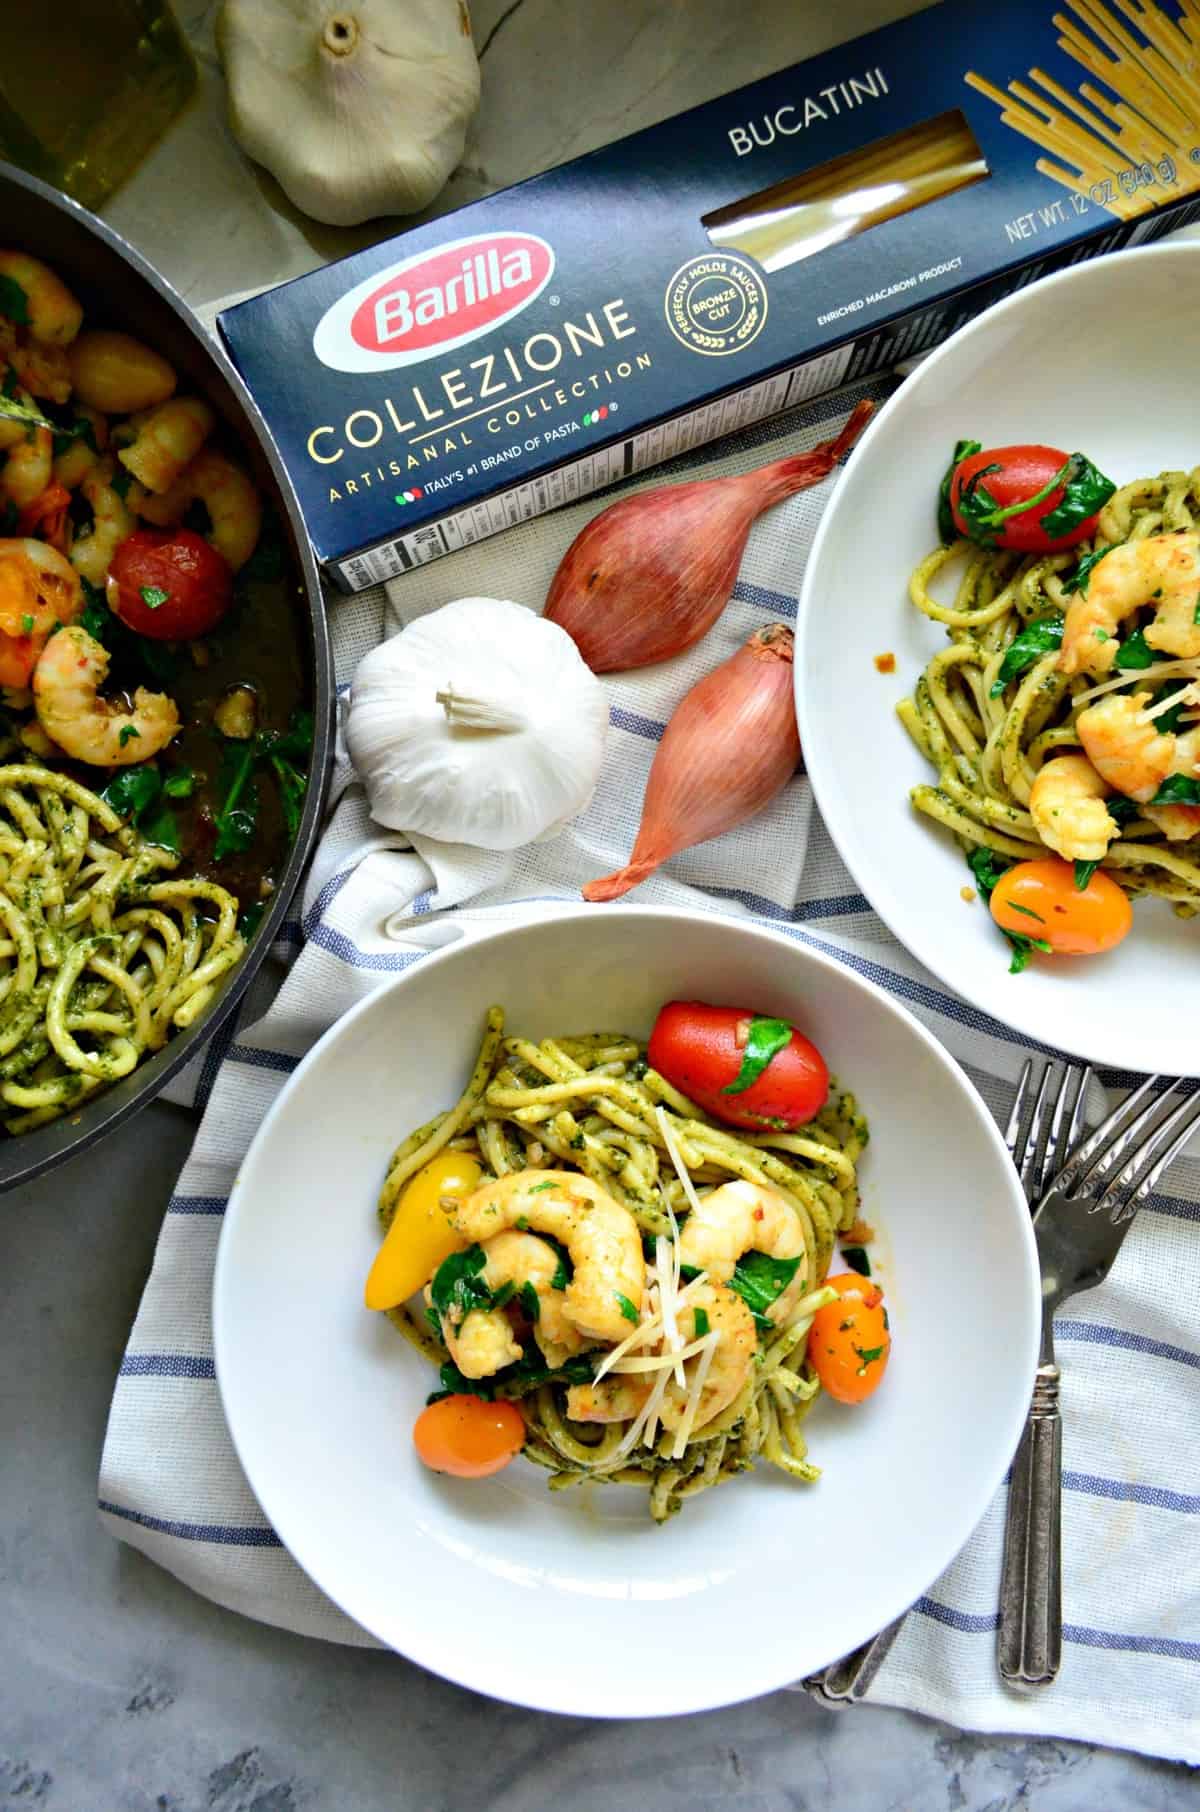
x: 86, y: 88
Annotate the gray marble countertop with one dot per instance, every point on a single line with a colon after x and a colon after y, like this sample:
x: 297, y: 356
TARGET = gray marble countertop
x: 120, y: 1691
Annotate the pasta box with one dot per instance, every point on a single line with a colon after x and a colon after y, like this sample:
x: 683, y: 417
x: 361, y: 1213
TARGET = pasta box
x: 781, y: 241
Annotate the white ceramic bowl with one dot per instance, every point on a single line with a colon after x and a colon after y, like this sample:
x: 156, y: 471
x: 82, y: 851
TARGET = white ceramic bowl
x: 576, y: 1602
x: 1096, y: 358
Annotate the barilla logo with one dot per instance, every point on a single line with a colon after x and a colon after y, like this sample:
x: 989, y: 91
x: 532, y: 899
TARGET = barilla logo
x: 433, y: 302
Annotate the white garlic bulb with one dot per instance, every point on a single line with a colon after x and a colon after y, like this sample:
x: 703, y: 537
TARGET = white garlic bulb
x: 477, y: 724
x: 358, y: 109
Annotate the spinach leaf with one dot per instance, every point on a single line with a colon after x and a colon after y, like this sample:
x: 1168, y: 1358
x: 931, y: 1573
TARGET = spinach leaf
x: 1178, y: 789
x: 14, y: 303
x: 278, y: 752
x: 14, y: 410
x: 1122, y: 810
x: 267, y: 560
x: 947, y: 527
x: 987, y: 865
x: 1083, y: 873
x: 1039, y: 637
x: 458, y: 1285
x: 529, y: 1301
x: 758, y: 1280
x: 1083, y: 572
x: 80, y: 429
x: 1085, y: 491
x: 180, y: 783
x: 1169, y: 721
x: 531, y: 1370
x: 764, y: 1040
x: 1022, y: 950
x: 1135, y: 653
x: 249, y: 920
x: 856, y: 1258
x: 566, y: 1269
x: 455, y: 1385
x: 137, y: 793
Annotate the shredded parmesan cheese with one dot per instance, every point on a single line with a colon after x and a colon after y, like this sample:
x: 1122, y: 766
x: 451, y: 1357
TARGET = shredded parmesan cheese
x: 1189, y: 695
x: 684, y: 1432
x: 1140, y: 676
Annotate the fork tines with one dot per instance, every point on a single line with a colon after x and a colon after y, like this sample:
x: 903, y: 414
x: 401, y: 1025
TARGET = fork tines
x: 1121, y: 1161
x: 1045, y: 1124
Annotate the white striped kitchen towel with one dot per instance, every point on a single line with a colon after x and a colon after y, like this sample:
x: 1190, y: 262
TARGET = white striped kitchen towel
x: 170, y: 1483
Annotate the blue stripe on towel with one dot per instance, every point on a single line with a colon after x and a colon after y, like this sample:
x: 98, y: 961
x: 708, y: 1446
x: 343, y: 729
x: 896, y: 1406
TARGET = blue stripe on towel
x: 1156, y: 1496
x: 197, y: 1204
x: 263, y: 1060
x: 1094, y: 1333
x: 226, y: 1535
x: 649, y: 727
x: 166, y: 1365
x: 777, y: 602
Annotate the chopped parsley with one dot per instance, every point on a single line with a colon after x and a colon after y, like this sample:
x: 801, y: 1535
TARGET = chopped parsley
x: 1135, y: 653
x: 626, y: 1307
x: 539, y: 1187
x: 869, y: 1354
x: 700, y: 1322
x: 153, y: 596
x: 1083, y: 873
x: 521, y: 1223
x: 1027, y: 910
x: 26, y: 624
x: 180, y: 783
x: 129, y: 733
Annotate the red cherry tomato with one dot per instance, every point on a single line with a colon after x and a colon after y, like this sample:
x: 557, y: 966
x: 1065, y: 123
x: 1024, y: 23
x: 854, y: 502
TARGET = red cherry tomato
x: 1040, y: 899
x: 469, y: 1437
x: 1010, y: 475
x: 708, y: 1053
x: 170, y: 584
x: 849, y: 1342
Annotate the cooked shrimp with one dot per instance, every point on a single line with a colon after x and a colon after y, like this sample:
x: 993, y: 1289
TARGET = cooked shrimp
x: 1131, y: 754
x: 743, y: 1217
x: 112, y: 520
x: 43, y: 370
x: 73, y: 465
x: 166, y: 440
x: 66, y: 691
x: 29, y: 466
x: 618, y: 1397
x: 1067, y: 806
x: 601, y: 1236
x: 231, y: 499
x: 483, y: 1342
x: 53, y: 314
x: 116, y: 373
x: 38, y: 591
x: 1163, y: 570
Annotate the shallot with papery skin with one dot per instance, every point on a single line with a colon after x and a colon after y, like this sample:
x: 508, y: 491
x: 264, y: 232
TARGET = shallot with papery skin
x: 731, y: 745
x: 648, y: 576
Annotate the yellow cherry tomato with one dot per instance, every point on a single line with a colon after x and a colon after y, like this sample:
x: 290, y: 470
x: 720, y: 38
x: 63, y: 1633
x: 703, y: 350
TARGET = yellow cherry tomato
x: 468, y: 1437
x: 1040, y: 900
x: 420, y: 1235
x: 849, y: 1342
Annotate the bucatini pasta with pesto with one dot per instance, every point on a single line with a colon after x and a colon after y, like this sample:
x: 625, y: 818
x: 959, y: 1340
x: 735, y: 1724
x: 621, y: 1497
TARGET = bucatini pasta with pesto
x: 638, y: 1279
x: 1063, y: 717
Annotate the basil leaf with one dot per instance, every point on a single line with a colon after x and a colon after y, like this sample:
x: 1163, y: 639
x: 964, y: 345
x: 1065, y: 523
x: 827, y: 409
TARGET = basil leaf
x: 1039, y: 637
x: 758, y: 1280
x: 626, y: 1307
x: 856, y: 1258
x: 765, y: 1039
x: 1083, y: 572
x: 14, y: 303
x: 1086, y: 490
x: 987, y: 865
x: 127, y: 733
x: 1083, y: 873
x: 1135, y: 654
x: 1178, y: 789
x: 947, y: 527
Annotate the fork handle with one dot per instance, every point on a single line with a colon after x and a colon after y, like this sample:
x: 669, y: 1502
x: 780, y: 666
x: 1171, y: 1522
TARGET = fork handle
x: 1030, y: 1640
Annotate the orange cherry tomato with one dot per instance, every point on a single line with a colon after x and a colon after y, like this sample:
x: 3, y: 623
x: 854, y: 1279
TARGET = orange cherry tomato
x: 849, y: 1342
x: 1040, y: 900
x: 469, y: 1437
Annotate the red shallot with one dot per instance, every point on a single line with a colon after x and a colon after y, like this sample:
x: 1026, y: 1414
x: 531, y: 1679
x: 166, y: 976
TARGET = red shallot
x: 730, y: 746
x: 648, y: 576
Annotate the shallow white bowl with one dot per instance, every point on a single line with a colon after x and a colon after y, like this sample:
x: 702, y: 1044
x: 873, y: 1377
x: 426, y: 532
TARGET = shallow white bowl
x: 575, y: 1601
x: 1095, y: 358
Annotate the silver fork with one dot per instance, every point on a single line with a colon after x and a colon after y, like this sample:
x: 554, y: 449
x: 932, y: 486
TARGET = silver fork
x: 1080, y: 1223
x: 1045, y: 1122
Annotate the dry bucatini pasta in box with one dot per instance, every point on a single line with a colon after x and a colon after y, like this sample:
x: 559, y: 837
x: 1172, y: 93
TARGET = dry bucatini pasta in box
x: 708, y: 272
